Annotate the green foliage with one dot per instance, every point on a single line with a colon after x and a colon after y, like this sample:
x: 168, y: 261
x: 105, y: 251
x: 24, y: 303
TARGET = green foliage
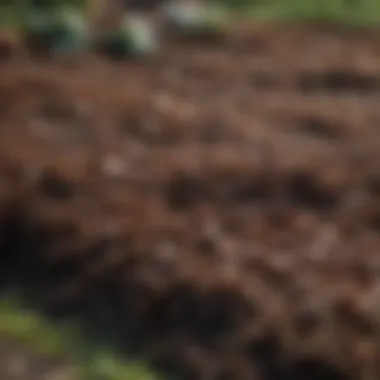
x: 72, y: 32
x: 133, y: 38
x: 64, y: 31
x: 60, y: 26
x: 352, y: 11
x: 357, y: 11
x: 91, y: 362
x: 191, y: 19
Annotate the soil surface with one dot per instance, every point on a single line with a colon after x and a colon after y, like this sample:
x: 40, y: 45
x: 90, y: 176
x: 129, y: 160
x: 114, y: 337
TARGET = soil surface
x: 217, y: 207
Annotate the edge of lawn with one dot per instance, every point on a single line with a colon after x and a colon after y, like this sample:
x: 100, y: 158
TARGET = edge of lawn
x: 48, y: 339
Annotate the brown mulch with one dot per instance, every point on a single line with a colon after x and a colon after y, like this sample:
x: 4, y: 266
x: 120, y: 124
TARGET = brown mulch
x: 219, y: 205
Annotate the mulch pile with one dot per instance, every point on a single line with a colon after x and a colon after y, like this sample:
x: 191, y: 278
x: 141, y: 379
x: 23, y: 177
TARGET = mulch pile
x: 217, y: 206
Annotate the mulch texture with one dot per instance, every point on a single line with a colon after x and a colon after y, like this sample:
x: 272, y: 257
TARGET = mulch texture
x: 218, y: 206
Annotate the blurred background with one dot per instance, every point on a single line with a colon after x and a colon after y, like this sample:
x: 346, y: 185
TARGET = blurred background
x: 189, y: 189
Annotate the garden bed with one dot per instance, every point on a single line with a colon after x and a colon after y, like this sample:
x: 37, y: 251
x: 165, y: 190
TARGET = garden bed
x: 215, y: 207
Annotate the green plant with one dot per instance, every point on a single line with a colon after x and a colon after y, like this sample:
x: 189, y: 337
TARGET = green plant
x: 91, y: 362
x: 190, y: 17
x: 133, y: 38
x: 62, y: 31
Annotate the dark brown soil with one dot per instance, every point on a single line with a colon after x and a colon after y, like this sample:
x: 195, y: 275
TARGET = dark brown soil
x: 217, y: 207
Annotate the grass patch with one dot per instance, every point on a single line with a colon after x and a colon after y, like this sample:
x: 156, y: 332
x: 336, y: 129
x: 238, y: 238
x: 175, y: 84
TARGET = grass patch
x: 360, y: 12
x: 43, y: 338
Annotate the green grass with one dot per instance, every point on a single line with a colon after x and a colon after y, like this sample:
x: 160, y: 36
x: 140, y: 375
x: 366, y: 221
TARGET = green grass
x: 43, y: 338
x: 353, y: 11
x: 361, y: 12
x: 357, y: 12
